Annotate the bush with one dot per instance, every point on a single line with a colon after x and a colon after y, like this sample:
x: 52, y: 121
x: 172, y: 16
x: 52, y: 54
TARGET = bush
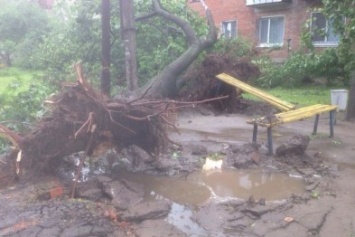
x: 21, y: 102
x: 301, y: 67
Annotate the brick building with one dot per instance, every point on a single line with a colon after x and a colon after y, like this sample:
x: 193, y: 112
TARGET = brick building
x: 274, y: 26
x: 45, y: 4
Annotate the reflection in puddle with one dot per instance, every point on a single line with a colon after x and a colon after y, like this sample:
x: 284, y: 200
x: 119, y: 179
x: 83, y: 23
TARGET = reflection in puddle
x: 246, y: 183
x: 178, y: 190
x: 200, y: 186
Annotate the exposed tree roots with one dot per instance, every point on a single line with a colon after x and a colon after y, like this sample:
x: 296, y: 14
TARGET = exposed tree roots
x: 199, y: 83
x: 81, y: 119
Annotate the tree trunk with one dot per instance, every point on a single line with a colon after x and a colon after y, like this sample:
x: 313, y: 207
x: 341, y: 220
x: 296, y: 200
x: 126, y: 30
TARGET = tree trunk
x: 128, y: 34
x: 164, y: 84
x: 350, y: 114
x: 106, y: 48
x: 6, y: 58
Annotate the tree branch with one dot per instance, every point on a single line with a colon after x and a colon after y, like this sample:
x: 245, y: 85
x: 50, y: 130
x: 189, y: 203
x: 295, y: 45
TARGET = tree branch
x: 212, y: 32
x: 184, y: 25
x: 145, y: 17
x: 15, y: 139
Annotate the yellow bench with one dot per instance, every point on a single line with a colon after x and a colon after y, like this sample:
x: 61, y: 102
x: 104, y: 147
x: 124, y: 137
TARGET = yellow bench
x: 281, y: 104
x: 290, y: 114
x: 293, y: 115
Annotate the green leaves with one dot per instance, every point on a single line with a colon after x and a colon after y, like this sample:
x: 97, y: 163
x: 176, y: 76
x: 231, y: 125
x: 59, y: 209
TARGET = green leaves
x: 22, y: 27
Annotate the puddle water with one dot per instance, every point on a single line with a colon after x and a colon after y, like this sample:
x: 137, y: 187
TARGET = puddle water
x: 245, y: 183
x: 177, y: 190
x: 199, y: 186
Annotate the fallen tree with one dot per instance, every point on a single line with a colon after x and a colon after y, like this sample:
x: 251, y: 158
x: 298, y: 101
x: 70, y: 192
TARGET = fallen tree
x: 81, y: 119
x: 164, y: 84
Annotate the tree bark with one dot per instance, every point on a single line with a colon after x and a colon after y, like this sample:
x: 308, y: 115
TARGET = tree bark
x: 128, y: 34
x: 164, y: 84
x: 350, y: 114
x: 106, y: 48
x: 6, y: 58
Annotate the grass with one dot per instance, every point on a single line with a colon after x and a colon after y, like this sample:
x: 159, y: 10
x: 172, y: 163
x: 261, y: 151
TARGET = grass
x: 301, y: 96
x: 14, y: 80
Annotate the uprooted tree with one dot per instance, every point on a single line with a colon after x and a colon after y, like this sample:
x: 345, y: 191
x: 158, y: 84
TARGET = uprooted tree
x: 81, y: 118
x: 164, y: 83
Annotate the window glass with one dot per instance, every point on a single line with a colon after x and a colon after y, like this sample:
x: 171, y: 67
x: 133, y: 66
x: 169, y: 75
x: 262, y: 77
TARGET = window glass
x: 271, y: 30
x: 229, y: 29
x: 318, y: 27
x: 276, y: 30
x: 264, y: 28
x: 323, y: 30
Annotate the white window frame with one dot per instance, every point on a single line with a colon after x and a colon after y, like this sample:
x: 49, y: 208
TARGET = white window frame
x: 325, y: 42
x: 223, y: 34
x: 268, y: 44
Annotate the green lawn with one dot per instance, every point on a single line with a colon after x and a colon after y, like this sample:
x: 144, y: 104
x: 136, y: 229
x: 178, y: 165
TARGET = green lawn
x: 15, y: 80
x: 302, y: 96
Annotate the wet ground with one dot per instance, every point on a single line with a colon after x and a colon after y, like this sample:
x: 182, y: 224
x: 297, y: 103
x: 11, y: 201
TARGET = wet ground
x: 251, y: 195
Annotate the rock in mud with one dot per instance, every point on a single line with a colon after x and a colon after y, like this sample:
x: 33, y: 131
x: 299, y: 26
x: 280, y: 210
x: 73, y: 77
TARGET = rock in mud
x: 93, y: 194
x: 297, y: 145
x: 147, y: 210
x: 197, y: 149
x: 243, y: 156
x: 167, y: 165
x: 137, y: 159
x: 124, y: 194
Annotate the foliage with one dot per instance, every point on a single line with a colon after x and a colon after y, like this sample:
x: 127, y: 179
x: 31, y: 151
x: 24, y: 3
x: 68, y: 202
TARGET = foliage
x: 160, y: 42
x: 77, y: 37
x: 337, y: 11
x: 21, y: 97
x: 233, y: 47
x: 332, y: 64
x: 301, y: 67
x: 22, y: 28
x: 291, y: 73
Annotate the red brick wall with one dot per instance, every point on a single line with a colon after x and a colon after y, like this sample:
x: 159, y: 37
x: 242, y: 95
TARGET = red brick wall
x: 46, y: 4
x: 295, y: 15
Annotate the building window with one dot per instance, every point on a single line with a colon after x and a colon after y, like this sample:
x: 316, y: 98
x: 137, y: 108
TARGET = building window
x: 229, y: 29
x: 323, y: 32
x: 271, y: 31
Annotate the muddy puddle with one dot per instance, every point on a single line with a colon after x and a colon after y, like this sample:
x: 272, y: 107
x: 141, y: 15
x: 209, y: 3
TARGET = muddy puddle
x: 202, y: 186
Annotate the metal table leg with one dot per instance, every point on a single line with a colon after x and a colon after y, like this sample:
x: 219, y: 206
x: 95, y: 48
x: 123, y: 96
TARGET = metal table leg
x: 255, y: 132
x: 315, y: 127
x: 269, y: 140
x: 331, y: 122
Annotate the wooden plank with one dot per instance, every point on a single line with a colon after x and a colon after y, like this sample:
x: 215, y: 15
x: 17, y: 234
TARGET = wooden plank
x: 281, y: 104
x: 292, y: 115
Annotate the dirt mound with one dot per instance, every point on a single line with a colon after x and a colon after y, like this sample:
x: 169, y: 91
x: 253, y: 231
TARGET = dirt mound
x: 199, y: 82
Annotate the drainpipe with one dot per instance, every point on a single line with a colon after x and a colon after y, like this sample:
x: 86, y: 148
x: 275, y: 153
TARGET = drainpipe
x: 288, y: 47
